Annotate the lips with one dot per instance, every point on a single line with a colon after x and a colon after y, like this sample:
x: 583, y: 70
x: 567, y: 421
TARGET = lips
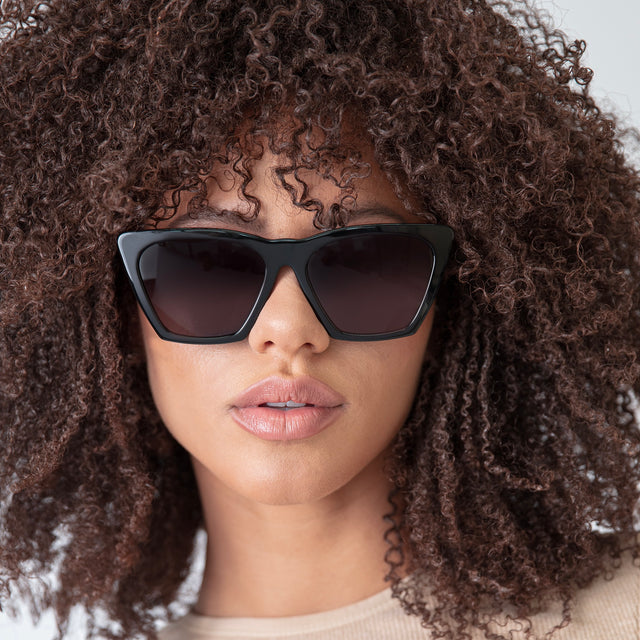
x: 287, y: 409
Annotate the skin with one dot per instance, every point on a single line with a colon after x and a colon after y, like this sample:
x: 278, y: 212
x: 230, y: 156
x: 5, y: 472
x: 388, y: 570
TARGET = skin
x: 293, y: 527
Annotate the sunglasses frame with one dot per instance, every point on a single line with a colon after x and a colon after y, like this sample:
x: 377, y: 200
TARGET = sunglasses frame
x: 284, y: 252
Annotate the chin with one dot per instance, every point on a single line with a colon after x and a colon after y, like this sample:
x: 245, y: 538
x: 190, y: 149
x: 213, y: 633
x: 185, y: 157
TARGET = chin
x: 285, y: 475
x: 288, y: 486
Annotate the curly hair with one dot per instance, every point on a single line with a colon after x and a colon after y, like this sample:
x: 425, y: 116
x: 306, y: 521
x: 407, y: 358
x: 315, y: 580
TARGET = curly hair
x: 522, y: 444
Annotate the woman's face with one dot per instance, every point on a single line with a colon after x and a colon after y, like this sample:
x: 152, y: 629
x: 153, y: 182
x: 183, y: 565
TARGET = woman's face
x: 208, y: 395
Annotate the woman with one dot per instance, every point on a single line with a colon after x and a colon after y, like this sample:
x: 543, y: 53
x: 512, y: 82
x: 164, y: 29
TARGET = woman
x: 337, y: 433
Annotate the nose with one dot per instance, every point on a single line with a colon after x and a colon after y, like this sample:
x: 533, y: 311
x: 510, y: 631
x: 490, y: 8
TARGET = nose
x: 287, y: 323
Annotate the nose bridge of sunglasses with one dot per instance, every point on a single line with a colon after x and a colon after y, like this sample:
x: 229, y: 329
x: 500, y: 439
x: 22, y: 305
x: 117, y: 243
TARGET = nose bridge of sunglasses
x: 286, y: 276
x: 286, y: 262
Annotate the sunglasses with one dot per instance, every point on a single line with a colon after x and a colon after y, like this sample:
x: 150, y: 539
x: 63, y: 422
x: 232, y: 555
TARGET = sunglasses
x: 208, y: 286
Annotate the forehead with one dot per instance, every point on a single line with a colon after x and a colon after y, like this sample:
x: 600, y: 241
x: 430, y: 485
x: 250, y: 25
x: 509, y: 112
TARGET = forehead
x: 251, y: 185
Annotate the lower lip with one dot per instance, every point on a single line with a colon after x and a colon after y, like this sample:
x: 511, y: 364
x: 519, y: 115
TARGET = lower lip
x: 289, y: 424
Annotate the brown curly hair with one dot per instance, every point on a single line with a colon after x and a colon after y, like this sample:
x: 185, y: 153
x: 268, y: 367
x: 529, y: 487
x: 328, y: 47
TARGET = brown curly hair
x: 523, y: 435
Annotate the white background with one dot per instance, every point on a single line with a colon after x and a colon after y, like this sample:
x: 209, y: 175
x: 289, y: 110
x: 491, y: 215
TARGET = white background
x: 611, y: 30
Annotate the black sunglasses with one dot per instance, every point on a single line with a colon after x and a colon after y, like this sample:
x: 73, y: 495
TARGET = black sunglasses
x: 208, y: 286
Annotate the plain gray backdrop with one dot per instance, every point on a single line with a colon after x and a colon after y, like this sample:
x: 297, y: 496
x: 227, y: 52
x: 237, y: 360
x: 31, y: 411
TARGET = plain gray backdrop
x: 613, y: 52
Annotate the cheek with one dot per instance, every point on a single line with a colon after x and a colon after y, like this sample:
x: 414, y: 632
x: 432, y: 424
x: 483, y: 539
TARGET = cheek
x: 387, y: 381
x: 182, y: 377
x: 167, y: 374
x: 388, y: 386
x: 164, y: 366
x: 397, y: 363
x: 404, y: 363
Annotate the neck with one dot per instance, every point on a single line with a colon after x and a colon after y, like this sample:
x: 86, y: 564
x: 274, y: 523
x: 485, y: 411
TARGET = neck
x: 284, y: 560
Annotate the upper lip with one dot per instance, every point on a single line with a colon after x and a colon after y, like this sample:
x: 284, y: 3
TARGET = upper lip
x: 303, y: 389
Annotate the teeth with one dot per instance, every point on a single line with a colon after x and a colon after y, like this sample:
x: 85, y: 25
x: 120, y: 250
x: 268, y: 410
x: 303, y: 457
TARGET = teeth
x: 285, y: 405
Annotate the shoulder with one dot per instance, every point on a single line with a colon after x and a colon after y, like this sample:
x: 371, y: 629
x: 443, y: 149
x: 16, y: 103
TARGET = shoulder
x: 182, y: 629
x: 608, y: 608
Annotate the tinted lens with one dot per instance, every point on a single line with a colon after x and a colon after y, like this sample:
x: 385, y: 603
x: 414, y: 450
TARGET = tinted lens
x: 372, y: 283
x: 202, y: 287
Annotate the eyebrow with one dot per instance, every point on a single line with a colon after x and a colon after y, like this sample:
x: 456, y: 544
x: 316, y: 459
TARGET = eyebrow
x: 211, y: 213
x: 375, y: 211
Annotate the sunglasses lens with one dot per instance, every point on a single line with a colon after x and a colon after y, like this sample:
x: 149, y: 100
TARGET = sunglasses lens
x: 202, y: 287
x: 372, y: 283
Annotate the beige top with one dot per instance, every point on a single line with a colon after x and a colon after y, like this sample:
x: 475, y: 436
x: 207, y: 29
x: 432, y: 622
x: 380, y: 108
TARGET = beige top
x: 607, y: 610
